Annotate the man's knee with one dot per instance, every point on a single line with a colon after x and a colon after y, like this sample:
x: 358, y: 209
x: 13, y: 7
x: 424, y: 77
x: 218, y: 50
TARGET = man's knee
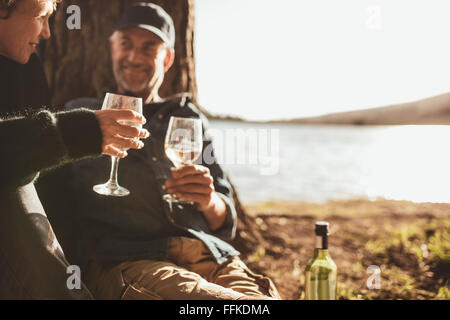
x: 165, y: 280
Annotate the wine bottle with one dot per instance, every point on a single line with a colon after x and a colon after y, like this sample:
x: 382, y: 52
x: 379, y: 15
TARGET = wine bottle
x: 321, y: 271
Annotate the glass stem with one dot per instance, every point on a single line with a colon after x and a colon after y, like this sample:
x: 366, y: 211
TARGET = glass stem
x: 113, y: 175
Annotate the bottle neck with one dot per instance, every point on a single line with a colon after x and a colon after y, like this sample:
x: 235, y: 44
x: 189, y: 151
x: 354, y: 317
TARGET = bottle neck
x: 322, y: 242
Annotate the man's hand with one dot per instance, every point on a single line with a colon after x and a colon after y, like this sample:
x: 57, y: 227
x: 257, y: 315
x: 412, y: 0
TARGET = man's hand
x: 118, y: 136
x: 195, y: 183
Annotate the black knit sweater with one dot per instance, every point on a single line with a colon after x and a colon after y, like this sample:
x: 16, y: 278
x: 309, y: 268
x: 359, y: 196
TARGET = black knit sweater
x: 32, y: 265
x: 34, y: 140
x: 45, y: 140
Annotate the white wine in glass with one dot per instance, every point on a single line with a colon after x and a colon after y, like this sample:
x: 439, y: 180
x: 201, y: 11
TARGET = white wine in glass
x: 183, y: 145
x: 115, y: 101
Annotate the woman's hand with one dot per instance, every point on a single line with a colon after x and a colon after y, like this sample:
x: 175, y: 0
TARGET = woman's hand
x: 117, y: 136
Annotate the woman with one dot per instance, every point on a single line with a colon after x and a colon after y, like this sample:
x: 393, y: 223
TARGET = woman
x: 32, y: 264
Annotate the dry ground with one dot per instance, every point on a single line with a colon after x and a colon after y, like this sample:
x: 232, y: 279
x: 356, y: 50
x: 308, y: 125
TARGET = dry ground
x: 409, y: 241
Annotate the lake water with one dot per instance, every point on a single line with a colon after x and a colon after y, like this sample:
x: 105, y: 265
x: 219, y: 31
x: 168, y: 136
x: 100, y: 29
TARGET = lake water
x: 320, y: 163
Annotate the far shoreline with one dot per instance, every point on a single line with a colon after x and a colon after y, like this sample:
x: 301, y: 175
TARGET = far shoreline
x: 339, y: 207
x: 428, y: 111
x: 296, y: 122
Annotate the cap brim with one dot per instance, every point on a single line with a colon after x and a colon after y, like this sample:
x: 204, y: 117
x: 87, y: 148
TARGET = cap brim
x: 150, y: 28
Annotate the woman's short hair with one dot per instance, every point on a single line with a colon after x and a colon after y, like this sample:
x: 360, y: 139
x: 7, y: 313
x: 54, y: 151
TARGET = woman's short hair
x: 11, y: 4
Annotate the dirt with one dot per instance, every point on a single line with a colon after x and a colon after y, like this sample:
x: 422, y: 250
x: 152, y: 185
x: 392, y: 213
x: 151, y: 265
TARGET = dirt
x: 289, y: 230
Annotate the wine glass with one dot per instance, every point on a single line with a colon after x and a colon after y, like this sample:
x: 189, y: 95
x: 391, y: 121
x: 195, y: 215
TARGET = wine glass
x: 115, y: 101
x: 183, y: 145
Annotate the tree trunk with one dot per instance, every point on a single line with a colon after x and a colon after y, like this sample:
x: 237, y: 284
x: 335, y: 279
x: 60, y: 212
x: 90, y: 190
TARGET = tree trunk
x: 78, y: 64
x: 248, y: 236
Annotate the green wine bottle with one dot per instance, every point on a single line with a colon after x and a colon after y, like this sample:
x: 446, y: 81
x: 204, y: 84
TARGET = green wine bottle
x: 321, y: 271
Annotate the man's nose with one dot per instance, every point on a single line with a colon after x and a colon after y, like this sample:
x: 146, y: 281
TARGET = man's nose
x: 134, y: 56
x: 45, y: 32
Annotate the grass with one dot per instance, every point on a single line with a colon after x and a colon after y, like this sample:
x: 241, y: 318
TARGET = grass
x: 409, y: 242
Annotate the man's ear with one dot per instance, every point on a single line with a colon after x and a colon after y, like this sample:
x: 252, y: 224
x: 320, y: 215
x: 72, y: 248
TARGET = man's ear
x: 169, y: 59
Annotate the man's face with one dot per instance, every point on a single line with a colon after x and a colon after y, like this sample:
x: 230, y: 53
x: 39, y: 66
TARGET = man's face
x: 21, y: 32
x: 140, y: 59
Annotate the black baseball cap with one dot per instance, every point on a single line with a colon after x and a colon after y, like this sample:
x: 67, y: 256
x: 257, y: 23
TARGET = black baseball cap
x: 151, y: 17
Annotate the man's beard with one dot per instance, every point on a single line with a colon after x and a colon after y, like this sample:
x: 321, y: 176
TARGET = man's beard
x: 127, y: 83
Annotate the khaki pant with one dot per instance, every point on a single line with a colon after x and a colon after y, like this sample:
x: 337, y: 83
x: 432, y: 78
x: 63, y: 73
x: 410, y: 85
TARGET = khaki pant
x: 191, y: 274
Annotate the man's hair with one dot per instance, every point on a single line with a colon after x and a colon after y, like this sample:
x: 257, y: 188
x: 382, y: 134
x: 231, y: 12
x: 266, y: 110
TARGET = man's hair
x: 9, y: 5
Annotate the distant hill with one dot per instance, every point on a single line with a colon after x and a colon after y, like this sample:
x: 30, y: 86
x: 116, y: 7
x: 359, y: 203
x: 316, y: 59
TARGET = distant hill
x: 434, y: 110
x: 224, y: 117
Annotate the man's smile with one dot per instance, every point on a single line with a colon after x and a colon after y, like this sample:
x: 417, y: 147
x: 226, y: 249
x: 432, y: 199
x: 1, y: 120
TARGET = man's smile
x: 134, y: 70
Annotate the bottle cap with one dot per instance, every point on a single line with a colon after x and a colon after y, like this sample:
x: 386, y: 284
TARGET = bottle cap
x: 322, y: 228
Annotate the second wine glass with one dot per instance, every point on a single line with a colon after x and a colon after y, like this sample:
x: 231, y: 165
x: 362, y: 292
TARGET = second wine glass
x: 183, y: 145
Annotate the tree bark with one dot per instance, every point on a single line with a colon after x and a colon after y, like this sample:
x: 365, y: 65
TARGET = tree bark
x: 78, y: 64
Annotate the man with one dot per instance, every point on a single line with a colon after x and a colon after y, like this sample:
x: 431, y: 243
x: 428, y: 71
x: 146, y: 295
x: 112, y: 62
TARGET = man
x: 32, y: 264
x: 140, y: 247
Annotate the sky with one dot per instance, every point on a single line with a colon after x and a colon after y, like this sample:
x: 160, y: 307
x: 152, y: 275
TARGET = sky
x: 261, y: 59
